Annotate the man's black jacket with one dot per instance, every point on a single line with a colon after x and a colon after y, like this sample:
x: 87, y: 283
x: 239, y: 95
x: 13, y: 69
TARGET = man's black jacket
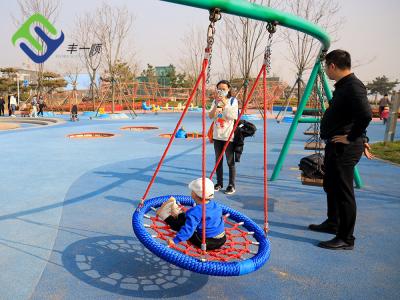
x: 349, y: 111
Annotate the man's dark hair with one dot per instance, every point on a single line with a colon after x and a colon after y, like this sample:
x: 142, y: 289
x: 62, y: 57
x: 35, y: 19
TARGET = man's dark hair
x: 229, y: 86
x: 339, y: 58
x: 385, y: 95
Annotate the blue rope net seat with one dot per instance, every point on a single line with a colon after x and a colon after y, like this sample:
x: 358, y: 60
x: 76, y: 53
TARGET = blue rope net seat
x: 245, y: 250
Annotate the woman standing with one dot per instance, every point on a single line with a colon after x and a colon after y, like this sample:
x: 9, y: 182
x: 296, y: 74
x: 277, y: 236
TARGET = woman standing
x: 224, y: 112
x: 13, y: 105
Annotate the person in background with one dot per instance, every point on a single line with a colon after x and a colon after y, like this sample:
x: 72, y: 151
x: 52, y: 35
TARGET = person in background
x: 385, y: 114
x: 9, y: 105
x: 33, y: 113
x: 13, y: 105
x: 382, y: 103
x: 2, y: 103
x: 74, y: 113
x: 42, y: 105
x: 224, y: 112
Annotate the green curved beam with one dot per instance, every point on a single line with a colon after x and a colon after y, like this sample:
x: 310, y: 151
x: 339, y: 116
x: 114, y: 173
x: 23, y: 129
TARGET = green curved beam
x: 262, y: 13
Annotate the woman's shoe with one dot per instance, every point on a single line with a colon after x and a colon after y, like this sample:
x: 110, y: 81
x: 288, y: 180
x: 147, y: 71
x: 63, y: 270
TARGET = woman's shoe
x: 230, y: 190
x: 217, y: 187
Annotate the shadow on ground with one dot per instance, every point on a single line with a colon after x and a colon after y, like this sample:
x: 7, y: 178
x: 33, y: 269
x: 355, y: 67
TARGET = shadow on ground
x: 121, y: 265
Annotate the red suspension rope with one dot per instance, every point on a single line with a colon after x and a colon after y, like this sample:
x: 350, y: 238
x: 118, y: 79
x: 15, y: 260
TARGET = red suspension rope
x: 266, y: 227
x: 203, y: 162
x: 201, y: 76
x: 263, y: 71
x: 237, y: 121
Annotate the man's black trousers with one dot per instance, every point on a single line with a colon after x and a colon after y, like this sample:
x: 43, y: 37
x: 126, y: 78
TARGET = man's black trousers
x: 340, y: 160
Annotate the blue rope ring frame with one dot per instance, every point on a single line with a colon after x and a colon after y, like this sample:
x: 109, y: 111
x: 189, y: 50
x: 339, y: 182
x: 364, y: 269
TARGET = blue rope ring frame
x: 190, y: 263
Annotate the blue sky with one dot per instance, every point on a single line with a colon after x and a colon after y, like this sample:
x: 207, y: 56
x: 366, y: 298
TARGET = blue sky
x: 371, y: 32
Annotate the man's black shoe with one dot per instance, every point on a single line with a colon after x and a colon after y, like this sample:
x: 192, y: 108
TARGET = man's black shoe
x: 336, y: 244
x: 217, y: 187
x: 326, y: 227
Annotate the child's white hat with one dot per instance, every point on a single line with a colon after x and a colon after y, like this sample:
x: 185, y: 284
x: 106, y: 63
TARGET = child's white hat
x: 196, y: 186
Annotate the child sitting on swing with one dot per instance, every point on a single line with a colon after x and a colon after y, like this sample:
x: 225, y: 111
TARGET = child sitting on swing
x: 189, y: 225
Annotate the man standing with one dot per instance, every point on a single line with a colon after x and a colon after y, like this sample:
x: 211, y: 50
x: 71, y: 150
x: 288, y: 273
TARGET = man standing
x: 9, y: 105
x: 42, y: 105
x: 343, y: 128
x: 2, y: 102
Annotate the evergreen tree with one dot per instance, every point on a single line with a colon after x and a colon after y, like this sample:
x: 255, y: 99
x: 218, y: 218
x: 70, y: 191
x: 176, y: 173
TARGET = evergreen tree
x: 381, y: 85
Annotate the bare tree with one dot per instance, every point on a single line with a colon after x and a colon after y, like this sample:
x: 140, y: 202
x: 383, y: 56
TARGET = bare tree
x: 227, y: 53
x: 243, y: 41
x: 112, y: 27
x: 304, y: 48
x: 194, y: 41
x: 49, y: 9
x: 240, y: 43
x: 85, y: 35
x: 71, y: 70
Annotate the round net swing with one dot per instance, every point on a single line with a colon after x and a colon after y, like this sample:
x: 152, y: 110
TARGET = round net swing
x: 245, y: 250
x: 247, y: 247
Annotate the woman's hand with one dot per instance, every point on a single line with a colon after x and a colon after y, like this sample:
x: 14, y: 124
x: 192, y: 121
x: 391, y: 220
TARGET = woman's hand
x: 221, y: 102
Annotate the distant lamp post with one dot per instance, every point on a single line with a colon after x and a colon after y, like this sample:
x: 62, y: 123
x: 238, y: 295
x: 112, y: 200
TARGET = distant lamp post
x: 17, y: 74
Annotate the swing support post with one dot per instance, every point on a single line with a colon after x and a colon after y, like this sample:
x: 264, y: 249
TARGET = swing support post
x: 297, y: 119
x: 295, y: 122
x: 258, y: 12
x: 244, y: 8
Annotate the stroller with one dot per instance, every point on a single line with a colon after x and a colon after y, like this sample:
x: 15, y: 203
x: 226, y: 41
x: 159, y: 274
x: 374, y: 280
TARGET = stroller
x: 74, y: 113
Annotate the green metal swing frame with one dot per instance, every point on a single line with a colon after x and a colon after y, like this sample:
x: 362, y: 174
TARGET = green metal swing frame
x: 254, y: 11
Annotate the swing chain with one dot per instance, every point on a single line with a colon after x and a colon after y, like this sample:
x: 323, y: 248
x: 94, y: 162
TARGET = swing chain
x: 271, y: 28
x: 321, y: 76
x: 319, y: 98
x: 215, y: 15
x: 322, y: 56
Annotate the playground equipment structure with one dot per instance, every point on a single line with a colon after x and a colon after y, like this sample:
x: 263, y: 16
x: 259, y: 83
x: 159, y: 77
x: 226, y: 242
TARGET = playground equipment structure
x: 202, y: 262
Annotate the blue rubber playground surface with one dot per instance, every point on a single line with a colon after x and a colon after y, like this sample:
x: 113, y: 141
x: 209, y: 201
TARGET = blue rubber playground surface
x: 66, y: 207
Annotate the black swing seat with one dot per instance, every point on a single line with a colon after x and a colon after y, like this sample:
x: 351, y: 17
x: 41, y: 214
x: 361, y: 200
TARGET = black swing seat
x: 311, y: 132
x: 312, y: 169
x: 311, y: 181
